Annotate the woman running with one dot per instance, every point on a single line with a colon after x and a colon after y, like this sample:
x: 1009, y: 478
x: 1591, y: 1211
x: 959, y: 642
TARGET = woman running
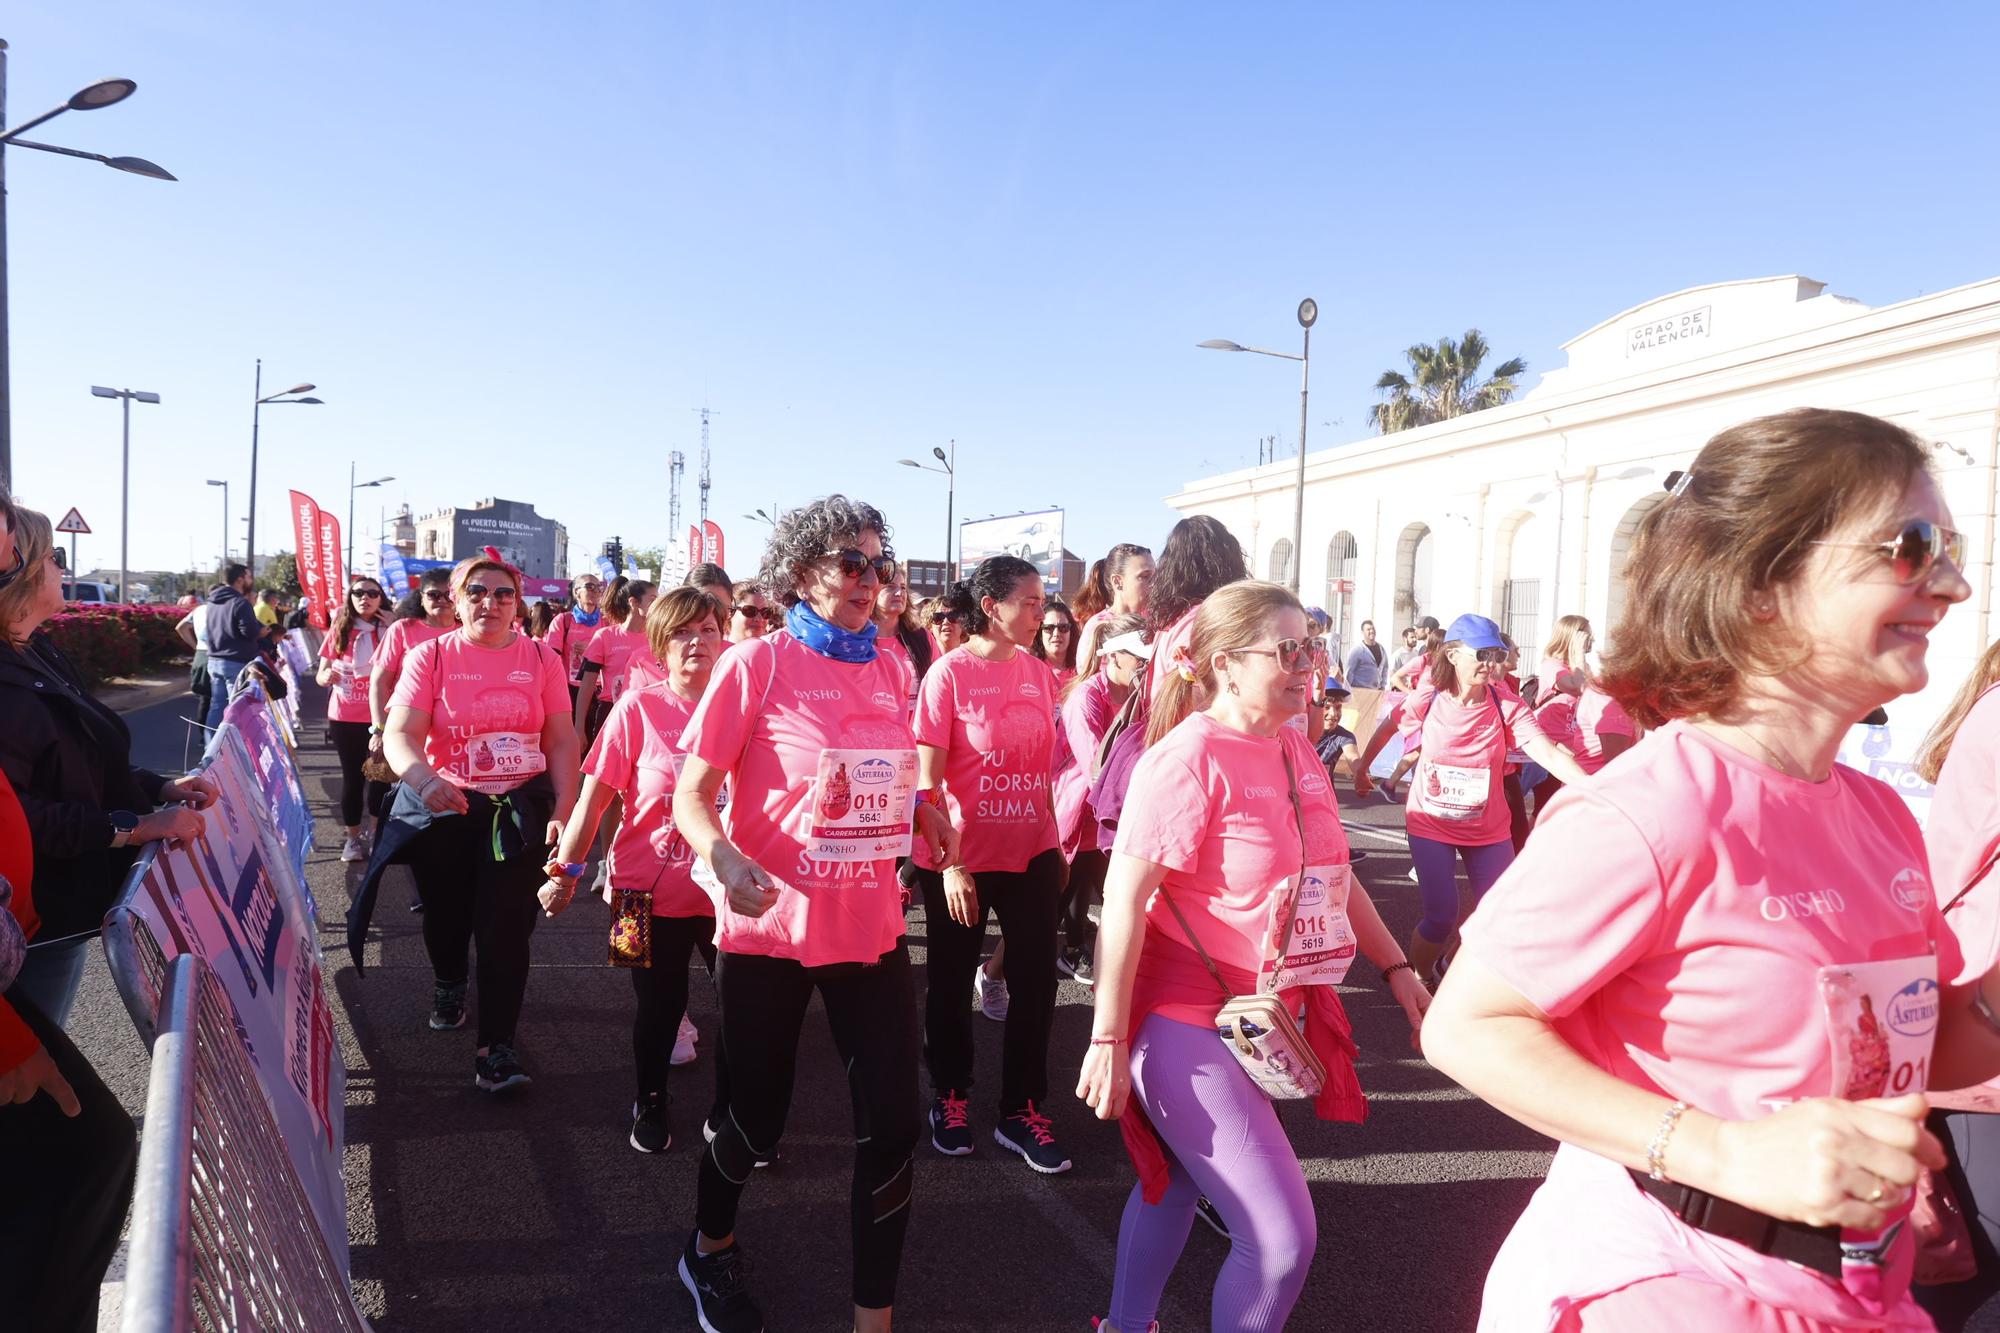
x: 808, y: 728
x: 1129, y: 571
x: 898, y: 632
x: 946, y: 622
x: 570, y: 632
x: 751, y: 615
x: 1199, y: 557
x: 479, y: 732
x: 1056, y: 641
x: 1568, y: 649
x: 659, y: 915
x: 1718, y: 974
x: 1231, y: 841
x: 985, y: 729
x: 347, y: 656
x: 607, y: 662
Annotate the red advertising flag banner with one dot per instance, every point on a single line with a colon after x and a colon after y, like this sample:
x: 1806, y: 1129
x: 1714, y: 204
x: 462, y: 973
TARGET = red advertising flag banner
x: 333, y: 586
x: 305, y: 533
x: 711, y: 533
x: 694, y: 546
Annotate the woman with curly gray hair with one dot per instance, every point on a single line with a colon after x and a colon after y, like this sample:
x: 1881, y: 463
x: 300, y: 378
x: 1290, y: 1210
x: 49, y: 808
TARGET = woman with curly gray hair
x: 808, y: 727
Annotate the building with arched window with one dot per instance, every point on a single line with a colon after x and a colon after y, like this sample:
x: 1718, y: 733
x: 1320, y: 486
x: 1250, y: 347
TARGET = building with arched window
x: 1527, y: 512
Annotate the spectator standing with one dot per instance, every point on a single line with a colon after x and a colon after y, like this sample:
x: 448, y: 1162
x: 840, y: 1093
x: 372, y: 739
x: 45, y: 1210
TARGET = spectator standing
x: 1368, y: 664
x: 235, y: 636
x: 266, y: 608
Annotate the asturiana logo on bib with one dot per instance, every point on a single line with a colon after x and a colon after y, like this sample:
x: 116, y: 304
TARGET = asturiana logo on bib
x: 1913, y: 1010
x: 874, y: 772
x: 520, y: 677
x: 1312, y: 891
x: 1910, y: 890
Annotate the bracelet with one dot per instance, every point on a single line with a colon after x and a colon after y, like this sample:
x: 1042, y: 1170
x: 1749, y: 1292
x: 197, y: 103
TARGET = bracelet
x: 1394, y: 968
x: 571, y: 869
x: 1656, y: 1151
x: 1107, y: 1041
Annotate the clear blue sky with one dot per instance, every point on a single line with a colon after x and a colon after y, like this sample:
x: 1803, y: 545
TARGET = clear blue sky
x: 514, y: 244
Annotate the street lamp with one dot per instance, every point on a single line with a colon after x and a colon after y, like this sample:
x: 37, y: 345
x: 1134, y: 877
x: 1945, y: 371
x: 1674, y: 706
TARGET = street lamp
x: 124, y: 471
x: 352, y: 487
x: 90, y: 97
x: 950, y: 470
x: 250, y: 543
x: 761, y: 517
x: 225, y: 519
x: 1308, y: 315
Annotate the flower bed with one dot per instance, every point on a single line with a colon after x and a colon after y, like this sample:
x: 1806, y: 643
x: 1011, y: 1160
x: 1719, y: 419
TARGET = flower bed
x: 107, y: 641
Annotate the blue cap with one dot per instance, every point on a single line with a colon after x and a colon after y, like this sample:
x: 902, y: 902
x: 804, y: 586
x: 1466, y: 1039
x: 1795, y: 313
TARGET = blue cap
x: 1475, y: 632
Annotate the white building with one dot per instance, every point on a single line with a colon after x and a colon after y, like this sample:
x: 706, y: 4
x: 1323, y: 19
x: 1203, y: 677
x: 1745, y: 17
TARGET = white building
x: 1526, y: 512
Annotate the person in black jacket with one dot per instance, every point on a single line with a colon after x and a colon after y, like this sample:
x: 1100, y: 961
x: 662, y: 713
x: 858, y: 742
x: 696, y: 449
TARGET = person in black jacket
x: 68, y: 757
x: 235, y: 636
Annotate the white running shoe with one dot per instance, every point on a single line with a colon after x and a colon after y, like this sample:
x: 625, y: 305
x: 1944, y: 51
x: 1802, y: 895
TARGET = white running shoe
x: 354, y: 848
x: 684, y: 1042
x: 989, y: 995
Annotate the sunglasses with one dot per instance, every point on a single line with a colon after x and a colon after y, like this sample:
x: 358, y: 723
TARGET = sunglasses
x: 1914, y: 552
x: 1292, y: 654
x: 1058, y: 627
x: 749, y: 612
x: 20, y: 563
x: 437, y: 594
x: 479, y: 592
x: 364, y: 592
x: 946, y: 617
x: 853, y: 564
x: 1489, y: 656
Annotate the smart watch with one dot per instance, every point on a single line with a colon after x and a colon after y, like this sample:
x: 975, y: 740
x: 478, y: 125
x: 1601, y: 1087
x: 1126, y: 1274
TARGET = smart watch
x: 123, y: 823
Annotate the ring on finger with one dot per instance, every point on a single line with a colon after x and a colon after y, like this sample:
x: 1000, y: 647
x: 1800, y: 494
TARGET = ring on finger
x: 1875, y: 1195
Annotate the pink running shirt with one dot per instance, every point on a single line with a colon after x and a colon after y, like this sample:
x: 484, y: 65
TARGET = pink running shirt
x: 770, y: 710
x: 892, y: 647
x: 614, y: 648
x: 348, y: 699
x: 995, y: 721
x: 570, y: 640
x: 1086, y: 715
x: 1963, y: 833
x: 638, y: 752
x: 486, y: 706
x: 1177, y: 635
x: 398, y: 641
x: 1598, y: 715
x: 1455, y: 792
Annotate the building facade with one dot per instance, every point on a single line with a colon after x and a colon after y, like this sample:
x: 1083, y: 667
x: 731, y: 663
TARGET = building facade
x: 538, y: 545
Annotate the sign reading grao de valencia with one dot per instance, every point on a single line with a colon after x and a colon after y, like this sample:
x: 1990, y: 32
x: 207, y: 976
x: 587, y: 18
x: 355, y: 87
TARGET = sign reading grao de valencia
x: 1686, y: 326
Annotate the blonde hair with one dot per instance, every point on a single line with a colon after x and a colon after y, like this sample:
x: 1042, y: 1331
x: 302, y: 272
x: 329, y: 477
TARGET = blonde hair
x: 1565, y: 645
x: 1230, y: 617
x: 35, y: 538
x: 1937, y: 746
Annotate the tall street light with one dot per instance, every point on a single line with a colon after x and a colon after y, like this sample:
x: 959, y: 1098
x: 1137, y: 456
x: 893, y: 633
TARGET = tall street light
x: 1308, y: 314
x: 950, y: 470
x: 761, y: 517
x: 225, y: 519
x: 124, y: 478
x: 90, y: 97
x: 250, y: 543
x: 352, y: 487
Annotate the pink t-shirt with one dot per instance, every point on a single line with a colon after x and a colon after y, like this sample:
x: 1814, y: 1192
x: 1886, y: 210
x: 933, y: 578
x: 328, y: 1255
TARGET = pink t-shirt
x: 1086, y: 715
x: 1455, y: 793
x: 1963, y: 832
x: 773, y: 706
x: 348, y: 701
x: 638, y: 751
x: 614, y: 649
x: 570, y: 640
x: 1177, y: 635
x: 397, y: 643
x: 1598, y: 715
x: 1556, y: 716
x: 643, y: 669
x: 892, y: 647
x: 995, y: 721
x: 1679, y: 919
x: 1545, y: 677
x: 1214, y: 806
x: 486, y: 705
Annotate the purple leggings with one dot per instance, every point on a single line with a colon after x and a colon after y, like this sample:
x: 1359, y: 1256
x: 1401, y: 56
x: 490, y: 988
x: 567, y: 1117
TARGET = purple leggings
x: 1437, y: 879
x: 1223, y: 1139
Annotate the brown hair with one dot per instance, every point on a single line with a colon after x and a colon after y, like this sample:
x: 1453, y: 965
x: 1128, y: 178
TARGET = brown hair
x: 345, y: 622
x: 1754, y: 501
x: 676, y: 609
x: 1937, y: 746
x: 462, y: 573
x: 1230, y: 617
x: 36, y: 539
x: 624, y: 593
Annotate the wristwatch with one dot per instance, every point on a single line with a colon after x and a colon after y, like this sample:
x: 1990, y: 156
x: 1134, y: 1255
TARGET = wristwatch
x: 123, y: 823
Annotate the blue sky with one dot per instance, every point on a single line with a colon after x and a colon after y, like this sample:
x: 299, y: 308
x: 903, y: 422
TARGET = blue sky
x: 514, y: 245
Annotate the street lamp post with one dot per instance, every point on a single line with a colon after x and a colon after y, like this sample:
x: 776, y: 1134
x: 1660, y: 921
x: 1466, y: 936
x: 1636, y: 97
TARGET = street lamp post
x: 225, y: 519
x: 250, y: 542
x: 124, y: 479
x: 352, y: 487
x: 1308, y: 315
x: 950, y: 470
x: 90, y: 97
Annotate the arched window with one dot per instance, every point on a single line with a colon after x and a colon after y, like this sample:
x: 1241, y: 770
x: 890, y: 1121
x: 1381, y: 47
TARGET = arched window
x: 1621, y: 551
x: 1413, y: 573
x: 1281, y: 561
x: 1343, y: 558
x: 1517, y: 584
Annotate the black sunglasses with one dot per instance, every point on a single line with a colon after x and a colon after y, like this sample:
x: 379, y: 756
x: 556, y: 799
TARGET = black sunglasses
x: 479, y: 591
x: 364, y: 592
x: 946, y: 617
x: 749, y: 612
x: 1292, y: 654
x: 20, y: 563
x: 1058, y: 627
x: 1914, y: 552
x: 853, y: 564
x: 437, y: 594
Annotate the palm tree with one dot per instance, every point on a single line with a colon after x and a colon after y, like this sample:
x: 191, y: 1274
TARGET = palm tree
x: 1444, y: 383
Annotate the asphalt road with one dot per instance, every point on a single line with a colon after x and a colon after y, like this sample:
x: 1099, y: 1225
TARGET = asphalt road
x: 529, y: 1211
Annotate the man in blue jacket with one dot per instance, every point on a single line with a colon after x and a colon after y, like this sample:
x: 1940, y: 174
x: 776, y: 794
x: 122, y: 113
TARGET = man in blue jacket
x: 235, y: 635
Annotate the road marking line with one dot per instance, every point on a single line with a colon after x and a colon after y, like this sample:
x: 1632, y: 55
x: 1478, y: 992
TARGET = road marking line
x: 1393, y: 839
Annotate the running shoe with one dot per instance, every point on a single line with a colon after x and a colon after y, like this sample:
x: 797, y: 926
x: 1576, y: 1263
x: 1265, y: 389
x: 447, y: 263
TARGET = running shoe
x: 1097, y: 1323
x: 1030, y: 1134
x: 684, y: 1042
x: 498, y: 1069
x: 951, y: 1132
x: 1075, y: 964
x: 708, y: 1133
x: 989, y: 995
x: 1208, y: 1213
x: 650, y: 1131
x: 721, y: 1305
x: 447, y: 1006
x: 354, y: 848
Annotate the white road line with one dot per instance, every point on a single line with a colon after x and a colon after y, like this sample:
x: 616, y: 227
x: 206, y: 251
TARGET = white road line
x: 1393, y: 839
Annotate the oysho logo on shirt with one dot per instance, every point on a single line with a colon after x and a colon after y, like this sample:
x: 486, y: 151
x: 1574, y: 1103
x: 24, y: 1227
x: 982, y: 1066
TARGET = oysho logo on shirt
x: 1910, y: 890
x: 1913, y: 1010
x: 1259, y: 793
x: 521, y: 677
x: 1802, y: 906
x: 981, y: 691
x: 818, y: 696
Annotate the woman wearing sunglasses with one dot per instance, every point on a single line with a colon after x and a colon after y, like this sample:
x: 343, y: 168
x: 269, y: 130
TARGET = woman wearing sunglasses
x: 1230, y: 840
x: 570, y: 632
x: 431, y: 616
x: 1056, y: 641
x: 480, y: 733
x: 807, y: 727
x: 1718, y: 973
x: 946, y: 623
x: 898, y: 631
x: 346, y: 666
x: 607, y: 662
x: 751, y: 615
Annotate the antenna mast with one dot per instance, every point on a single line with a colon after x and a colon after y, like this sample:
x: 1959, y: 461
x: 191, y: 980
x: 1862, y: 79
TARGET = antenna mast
x: 705, y: 414
x: 676, y: 464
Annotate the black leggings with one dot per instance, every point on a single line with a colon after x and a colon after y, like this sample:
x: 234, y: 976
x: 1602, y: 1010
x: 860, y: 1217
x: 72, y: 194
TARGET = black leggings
x: 662, y: 993
x: 872, y: 1011
x: 350, y: 742
x: 1025, y: 902
x: 468, y: 896
x: 1086, y: 886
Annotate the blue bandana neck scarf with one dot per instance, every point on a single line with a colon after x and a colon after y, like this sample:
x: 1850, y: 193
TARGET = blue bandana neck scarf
x: 587, y: 619
x: 828, y: 639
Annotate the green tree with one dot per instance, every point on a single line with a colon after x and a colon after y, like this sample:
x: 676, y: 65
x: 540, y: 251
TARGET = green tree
x: 1443, y: 383
x: 281, y: 574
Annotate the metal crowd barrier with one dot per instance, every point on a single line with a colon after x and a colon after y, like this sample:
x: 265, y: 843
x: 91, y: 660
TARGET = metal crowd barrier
x: 223, y: 1236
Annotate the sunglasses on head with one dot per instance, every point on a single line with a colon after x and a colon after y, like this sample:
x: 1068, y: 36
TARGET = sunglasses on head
x: 1914, y: 552
x: 479, y: 592
x: 1292, y: 654
x: 749, y: 612
x: 853, y: 564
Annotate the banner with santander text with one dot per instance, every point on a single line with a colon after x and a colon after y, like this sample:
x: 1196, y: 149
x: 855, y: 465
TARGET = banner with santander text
x: 695, y: 555
x: 305, y: 533
x: 333, y: 581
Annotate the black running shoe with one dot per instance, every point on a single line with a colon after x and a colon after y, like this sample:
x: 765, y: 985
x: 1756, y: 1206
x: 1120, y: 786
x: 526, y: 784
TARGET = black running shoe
x: 708, y: 1133
x: 447, y: 1006
x: 951, y: 1131
x: 1030, y: 1134
x: 721, y: 1305
x: 1075, y: 964
x: 498, y: 1070
x: 1206, y: 1211
x: 650, y: 1131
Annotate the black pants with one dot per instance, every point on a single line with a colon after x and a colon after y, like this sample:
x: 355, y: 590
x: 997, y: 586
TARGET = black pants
x: 1085, y: 887
x: 662, y: 993
x: 68, y: 1182
x: 1972, y: 1152
x: 872, y: 1011
x: 1025, y: 902
x: 350, y: 742
x: 1518, y: 822
x: 469, y: 896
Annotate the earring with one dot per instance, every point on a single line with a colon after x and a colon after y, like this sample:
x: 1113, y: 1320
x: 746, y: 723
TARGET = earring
x: 1233, y: 689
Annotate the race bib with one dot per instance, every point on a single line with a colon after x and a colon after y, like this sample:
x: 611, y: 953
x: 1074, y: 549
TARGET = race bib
x: 1881, y: 1018
x: 860, y: 808
x: 499, y: 761
x: 1449, y: 792
x: 1321, y: 944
